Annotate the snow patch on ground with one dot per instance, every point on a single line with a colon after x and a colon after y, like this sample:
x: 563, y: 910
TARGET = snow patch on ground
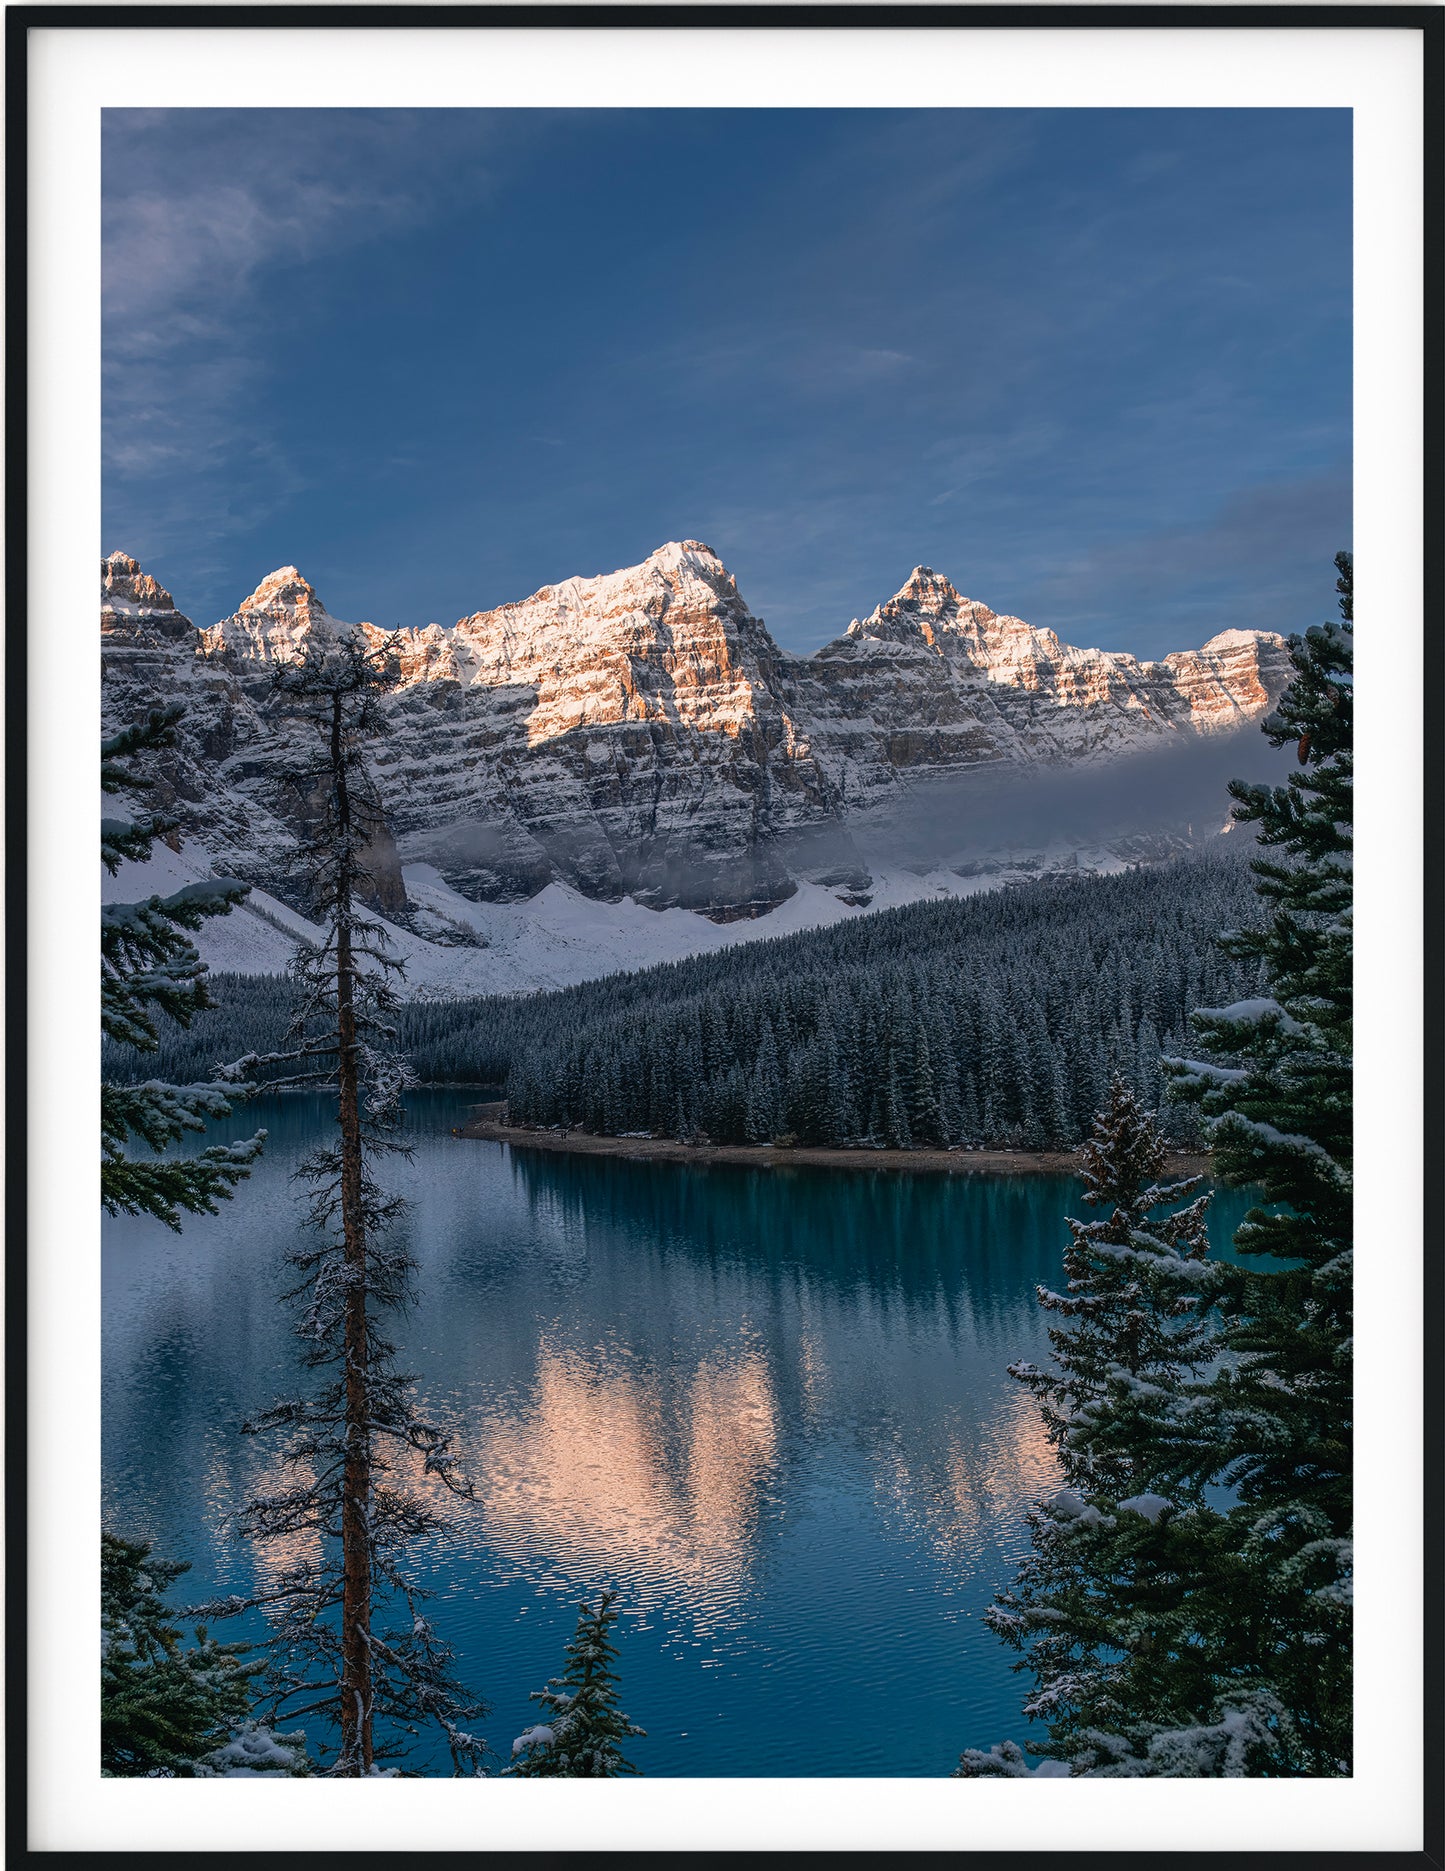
x: 259, y: 936
x: 555, y: 939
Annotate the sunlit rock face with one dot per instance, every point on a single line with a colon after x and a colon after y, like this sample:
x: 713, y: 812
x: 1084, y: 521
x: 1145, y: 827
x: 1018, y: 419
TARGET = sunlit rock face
x: 134, y: 609
x: 274, y: 624
x: 627, y: 733
x: 934, y: 681
x: 640, y: 733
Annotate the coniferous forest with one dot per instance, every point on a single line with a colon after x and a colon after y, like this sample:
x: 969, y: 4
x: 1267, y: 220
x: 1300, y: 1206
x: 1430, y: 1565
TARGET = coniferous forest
x: 994, y: 1021
x: 727, y: 1134
x: 1185, y: 1606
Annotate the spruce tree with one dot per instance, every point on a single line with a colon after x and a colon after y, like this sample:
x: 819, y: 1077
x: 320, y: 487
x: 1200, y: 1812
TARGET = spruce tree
x: 764, y: 1090
x: 168, y: 1711
x: 1130, y: 1673
x: 1100, y: 1612
x: 925, y: 1115
x: 1131, y: 1304
x: 1276, y: 1092
x: 150, y: 972
x: 585, y: 1730
x: 351, y: 1443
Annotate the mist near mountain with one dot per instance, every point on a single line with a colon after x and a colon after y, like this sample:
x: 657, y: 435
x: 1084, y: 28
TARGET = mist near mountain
x: 640, y: 737
x: 1154, y: 798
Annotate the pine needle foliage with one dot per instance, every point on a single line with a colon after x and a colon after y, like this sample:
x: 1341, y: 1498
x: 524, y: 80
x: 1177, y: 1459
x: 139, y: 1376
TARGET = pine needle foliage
x: 1276, y: 1089
x: 584, y: 1731
x: 1169, y: 1636
x: 163, y: 1706
x: 1133, y: 1323
x: 151, y: 975
x: 1100, y: 1612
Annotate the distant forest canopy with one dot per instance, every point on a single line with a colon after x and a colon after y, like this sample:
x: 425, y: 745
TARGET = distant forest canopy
x: 992, y: 1021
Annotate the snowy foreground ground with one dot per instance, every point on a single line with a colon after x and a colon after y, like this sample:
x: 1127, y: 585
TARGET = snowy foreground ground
x: 556, y: 938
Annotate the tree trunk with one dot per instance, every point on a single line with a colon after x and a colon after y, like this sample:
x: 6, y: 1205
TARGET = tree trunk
x: 356, y: 1712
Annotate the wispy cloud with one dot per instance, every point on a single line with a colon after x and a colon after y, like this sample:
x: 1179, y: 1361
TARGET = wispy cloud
x: 216, y: 227
x: 804, y: 363
x: 1242, y: 565
x: 197, y: 202
x: 1093, y: 365
x: 965, y: 461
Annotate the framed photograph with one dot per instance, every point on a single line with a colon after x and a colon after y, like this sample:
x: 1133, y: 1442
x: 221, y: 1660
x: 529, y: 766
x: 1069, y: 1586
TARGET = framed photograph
x: 746, y: 1013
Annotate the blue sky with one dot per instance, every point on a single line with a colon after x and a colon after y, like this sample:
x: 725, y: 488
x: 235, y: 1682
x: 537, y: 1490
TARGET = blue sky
x: 1092, y: 365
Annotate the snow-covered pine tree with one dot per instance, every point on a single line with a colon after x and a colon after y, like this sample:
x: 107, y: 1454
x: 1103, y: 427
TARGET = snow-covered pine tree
x: 765, y: 1089
x: 351, y: 1441
x: 1100, y: 1611
x: 168, y: 1711
x: 149, y: 972
x: 1276, y: 1094
x: 925, y: 1114
x: 585, y: 1731
x: 1131, y: 1305
x: 1131, y: 1665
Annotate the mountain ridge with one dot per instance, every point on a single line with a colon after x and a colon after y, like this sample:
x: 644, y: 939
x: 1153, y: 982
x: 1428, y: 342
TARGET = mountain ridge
x: 640, y: 733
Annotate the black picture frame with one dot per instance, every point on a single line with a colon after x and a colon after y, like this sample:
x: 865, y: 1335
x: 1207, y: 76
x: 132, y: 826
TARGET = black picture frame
x: 22, y: 1026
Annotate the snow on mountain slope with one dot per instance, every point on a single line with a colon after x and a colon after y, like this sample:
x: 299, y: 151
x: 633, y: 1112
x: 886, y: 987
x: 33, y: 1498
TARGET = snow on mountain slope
x: 558, y: 938
x: 636, y: 741
x: 258, y: 936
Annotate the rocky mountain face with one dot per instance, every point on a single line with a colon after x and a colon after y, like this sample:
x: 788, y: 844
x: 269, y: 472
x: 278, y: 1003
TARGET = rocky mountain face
x: 640, y: 733
x: 935, y: 682
x: 135, y: 610
x: 238, y: 779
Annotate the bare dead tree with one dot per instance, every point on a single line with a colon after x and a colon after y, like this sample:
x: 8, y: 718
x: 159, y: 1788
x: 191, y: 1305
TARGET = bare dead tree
x: 355, y: 1446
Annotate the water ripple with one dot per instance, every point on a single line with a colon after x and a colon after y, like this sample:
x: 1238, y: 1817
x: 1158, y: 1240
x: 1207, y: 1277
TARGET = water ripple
x: 772, y: 1412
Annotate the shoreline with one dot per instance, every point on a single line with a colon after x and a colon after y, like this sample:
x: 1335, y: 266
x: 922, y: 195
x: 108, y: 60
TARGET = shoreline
x: 813, y: 1156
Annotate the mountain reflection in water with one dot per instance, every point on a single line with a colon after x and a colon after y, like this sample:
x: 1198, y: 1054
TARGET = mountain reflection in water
x: 770, y: 1406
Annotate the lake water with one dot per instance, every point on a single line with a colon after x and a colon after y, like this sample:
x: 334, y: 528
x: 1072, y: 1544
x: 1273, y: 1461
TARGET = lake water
x: 769, y: 1406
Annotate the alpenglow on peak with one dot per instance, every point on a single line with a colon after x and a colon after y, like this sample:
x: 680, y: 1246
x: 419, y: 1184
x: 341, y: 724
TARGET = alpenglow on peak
x: 283, y: 587
x: 640, y: 733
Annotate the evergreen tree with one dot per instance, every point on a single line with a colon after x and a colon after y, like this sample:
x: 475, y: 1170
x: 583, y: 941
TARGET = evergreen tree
x: 351, y: 1441
x: 1244, y: 1740
x: 167, y: 1711
x: 925, y: 1116
x: 1167, y: 1637
x: 764, y: 1090
x: 1061, y: 1122
x: 585, y: 1731
x: 149, y: 972
x: 1101, y: 1612
x: 1276, y: 1092
x: 1131, y: 1306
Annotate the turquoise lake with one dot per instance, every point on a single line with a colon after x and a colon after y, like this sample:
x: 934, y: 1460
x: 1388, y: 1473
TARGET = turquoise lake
x: 769, y: 1406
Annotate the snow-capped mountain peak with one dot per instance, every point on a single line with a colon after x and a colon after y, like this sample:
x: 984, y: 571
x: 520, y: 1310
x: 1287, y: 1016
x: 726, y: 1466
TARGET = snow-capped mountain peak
x: 639, y: 733
x: 675, y: 572
x: 929, y: 612
x: 925, y: 589
x: 284, y: 589
x: 274, y: 623
x: 134, y: 608
x: 689, y: 553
